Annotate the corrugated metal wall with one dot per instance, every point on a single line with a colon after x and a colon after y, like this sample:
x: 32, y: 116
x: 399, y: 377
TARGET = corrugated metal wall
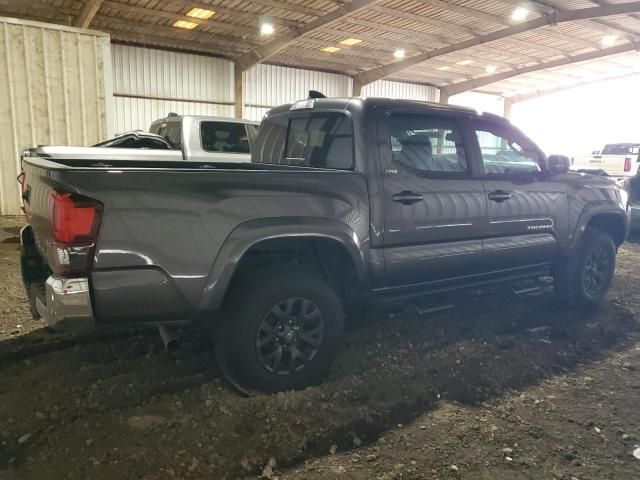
x: 409, y: 91
x: 267, y: 86
x: 149, y: 83
x: 54, y: 86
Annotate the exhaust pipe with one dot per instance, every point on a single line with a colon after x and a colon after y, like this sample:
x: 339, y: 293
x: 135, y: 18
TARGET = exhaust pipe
x: 169, y: 338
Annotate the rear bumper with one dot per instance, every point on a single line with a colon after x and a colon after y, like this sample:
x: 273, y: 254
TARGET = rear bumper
x: 68, y: 303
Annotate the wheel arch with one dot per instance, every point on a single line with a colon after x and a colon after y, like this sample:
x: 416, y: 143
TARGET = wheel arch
x: 614, y: 222
x: 256, y: 234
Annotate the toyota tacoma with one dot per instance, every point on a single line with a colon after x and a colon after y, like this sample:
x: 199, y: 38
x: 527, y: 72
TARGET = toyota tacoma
x: 345, y: 202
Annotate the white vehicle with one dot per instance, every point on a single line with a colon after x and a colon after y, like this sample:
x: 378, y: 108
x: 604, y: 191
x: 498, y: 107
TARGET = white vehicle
x: 620, y: 160
x: 208, y: 139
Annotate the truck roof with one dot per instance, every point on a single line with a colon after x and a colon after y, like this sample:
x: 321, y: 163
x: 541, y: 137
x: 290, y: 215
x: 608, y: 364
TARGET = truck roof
x: 360, y: 103
x: 212, y: 118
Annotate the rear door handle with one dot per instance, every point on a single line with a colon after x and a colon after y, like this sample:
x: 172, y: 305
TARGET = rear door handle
x: 499, y: 196
x: 407, y: 197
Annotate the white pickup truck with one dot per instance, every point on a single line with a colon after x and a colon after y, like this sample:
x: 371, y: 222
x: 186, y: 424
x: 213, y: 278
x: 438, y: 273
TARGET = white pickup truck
x: 619, y: 160
x: 185, y: 137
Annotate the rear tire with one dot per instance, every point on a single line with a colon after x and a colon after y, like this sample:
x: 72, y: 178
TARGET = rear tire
x: 583, y: 279
x: 280, y: 330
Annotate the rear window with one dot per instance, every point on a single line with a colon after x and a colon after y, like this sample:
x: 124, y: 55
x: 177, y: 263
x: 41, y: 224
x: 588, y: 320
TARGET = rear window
x: 224, y: 137
x: 620, y: 149
x: 322, y: 140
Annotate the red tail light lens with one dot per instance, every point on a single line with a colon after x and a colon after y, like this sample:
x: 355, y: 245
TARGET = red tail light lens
x: 627, y: 164
x: 75, y: 221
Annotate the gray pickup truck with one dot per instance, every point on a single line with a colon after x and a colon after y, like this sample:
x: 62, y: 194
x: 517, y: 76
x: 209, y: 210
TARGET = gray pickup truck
x: 345, y: 202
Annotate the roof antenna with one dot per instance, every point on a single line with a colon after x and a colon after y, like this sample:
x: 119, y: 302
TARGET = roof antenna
x: 316, y: 94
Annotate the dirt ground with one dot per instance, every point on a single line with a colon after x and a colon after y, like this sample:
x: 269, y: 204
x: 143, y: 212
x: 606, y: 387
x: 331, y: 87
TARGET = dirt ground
x: 501, y: 387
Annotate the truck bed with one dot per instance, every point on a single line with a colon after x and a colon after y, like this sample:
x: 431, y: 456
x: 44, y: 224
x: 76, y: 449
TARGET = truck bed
x: 164, y: 222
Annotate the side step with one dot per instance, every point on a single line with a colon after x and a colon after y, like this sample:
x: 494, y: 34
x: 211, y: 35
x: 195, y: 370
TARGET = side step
x: 430, y: 308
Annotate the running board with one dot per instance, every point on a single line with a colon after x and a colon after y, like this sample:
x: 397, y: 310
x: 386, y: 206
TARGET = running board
x: 526, y: 291
x: 427, y: 310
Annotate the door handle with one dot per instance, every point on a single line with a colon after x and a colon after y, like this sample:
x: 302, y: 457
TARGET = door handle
x: 499, y: 196
x: 407, y: 197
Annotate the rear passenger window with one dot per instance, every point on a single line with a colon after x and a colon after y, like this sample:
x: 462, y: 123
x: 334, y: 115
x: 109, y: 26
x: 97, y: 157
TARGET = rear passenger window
x: 428, y: 144
x: 322, y: 140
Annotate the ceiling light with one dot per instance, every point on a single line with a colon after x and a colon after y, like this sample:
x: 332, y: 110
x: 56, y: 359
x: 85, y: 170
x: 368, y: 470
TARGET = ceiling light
x: 519, y: 14
x: 491, y: 69
x: 185, y: 24
x: 266, y: 29
x: 466, y: 62
x: 201, y: 13
x: 444, y: 67
x: 609, y: 40
x: 399, y: 53
x: 330, y: 49
x: 350, y: 42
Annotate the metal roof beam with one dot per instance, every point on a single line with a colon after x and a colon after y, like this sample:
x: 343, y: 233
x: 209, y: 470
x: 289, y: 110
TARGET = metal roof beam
x: 470, y: 12
x: 287, y: 6
x: 374, y: 74
x: 505, y: 22
x: 89, y: 10
x: 450, y: 27
x: 262, y: 53
x: 171, y: 16
x: 460, y: 87
x: 598, y: 24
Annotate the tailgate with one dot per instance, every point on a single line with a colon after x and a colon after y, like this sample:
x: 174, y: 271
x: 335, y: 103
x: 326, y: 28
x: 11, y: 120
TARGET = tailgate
x: 613, y: 165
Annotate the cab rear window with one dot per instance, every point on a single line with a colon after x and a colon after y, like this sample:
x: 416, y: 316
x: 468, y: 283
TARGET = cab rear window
x: 319, y: 140
x: 323, y: 140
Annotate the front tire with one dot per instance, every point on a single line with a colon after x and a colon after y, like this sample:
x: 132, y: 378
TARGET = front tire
x: 583, y: 279
x: 280, y: 330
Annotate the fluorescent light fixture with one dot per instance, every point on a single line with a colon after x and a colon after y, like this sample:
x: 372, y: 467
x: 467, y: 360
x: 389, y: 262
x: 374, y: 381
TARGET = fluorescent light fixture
x: 330, y: 49
x: 466, y: 62
x: 350, y: 42
x: 186, y: 25
x: 491, y: 69
x: 609, y: 40
x: 266, y: 29
x: 200, y: 13
x: 519, y: 14
x: 444, y: 67
x: 399, y: 53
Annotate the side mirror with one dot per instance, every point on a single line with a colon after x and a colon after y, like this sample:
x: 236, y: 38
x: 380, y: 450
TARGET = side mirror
x: 559, y: 164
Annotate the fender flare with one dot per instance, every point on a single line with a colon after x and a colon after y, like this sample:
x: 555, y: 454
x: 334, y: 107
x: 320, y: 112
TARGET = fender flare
x: 251, y: 232
x: 588, y: 213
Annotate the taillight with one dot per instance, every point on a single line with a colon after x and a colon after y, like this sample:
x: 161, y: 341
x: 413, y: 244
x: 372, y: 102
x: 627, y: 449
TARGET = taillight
x: 75, y: 221
x: 627, y: 164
